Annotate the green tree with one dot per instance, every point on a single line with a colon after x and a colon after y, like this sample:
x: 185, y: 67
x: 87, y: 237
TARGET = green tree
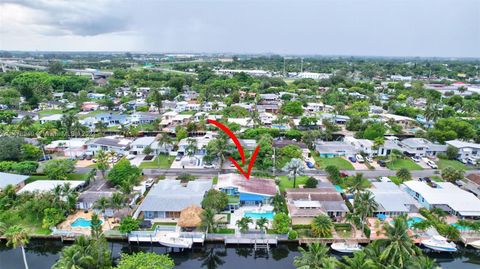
x: 281, y: 223
x: 359, y: 260
x: 30, y: 152
x: 243, y: 223
x: 215, y: 200
x: 452, y: 174
x: 144, y: 260
x: 295, y: 168
x: 311, y: 183
x: 102, y: 162
x: 293, y: 108
x: 314, y: 257
x: 333, y: 174
x: 59, y: 169
x: 322, y: 226
x: 123, y: 172
x: 129, y: 224
x: 451, y: 153
x: 261, y: 224
x: 17, y: 237
x: 51, y: 217
x: 180, y: 133
x: 208, y: 220
x: 95, y: 226
x: 404, y: 174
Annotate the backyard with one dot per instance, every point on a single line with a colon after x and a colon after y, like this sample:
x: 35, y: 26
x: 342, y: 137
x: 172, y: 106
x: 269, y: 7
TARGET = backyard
x: 403, y: 163
x: 340, y: 163
x: 286, y: 182
x: 160, y: 161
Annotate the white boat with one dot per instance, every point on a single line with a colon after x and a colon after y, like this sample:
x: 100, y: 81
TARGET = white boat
x: 439, y: 243
x: 174, y: 241
x: 346, y: 247
x: 475, y: 244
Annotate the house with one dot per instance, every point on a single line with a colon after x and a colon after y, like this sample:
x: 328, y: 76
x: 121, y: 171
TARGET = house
x: 465, y: 149
x: 139, y: 144
x: 305, y: 204
x: 255, y: 191
x: 419, y: 147
x: 318, y: 107
x: 403, y: 121
x: 269, y: 108
x: 269, y: 97
x: 72, y: 148
x: 392, y: 201
x: 243, y: 122
x: 200, y: 141
x: 18, y: 181
x: 22, y: 114
x: 57, y: 105
x: 142, y: 92
x: 362, y: 145
x: 111, y: 119
x: 108, y: 144
x: 169, y: 197
x: 96, y: 96
x: 330, y: 149
x: 54, y: 117
x: 123, y: 91
x: 143, y: 118
x: 49, y: 185
x: 446, y: 196
x: 473, y: 184
x: 337, y: 119
x: 90, y: 106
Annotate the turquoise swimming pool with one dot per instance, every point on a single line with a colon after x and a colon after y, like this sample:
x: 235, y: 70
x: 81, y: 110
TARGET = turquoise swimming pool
x: 460, y: 227
x: 257, y: 215
x: 412, y: 221
x: 82, y: 223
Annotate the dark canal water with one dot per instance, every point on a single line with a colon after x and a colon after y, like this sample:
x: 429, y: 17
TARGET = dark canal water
x: 43, y: 254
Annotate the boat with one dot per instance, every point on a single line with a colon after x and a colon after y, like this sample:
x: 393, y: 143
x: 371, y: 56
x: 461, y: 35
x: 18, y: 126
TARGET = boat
x: 475, y: 244
x: 174, y: 241
x: 439, y: 243
x: 344, y: 247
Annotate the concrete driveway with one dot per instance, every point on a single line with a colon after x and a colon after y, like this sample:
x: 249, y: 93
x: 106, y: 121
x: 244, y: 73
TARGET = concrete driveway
x: 137, y: 160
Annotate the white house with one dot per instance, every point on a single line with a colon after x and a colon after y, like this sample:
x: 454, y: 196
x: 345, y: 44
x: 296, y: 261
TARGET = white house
x: 465, y: 149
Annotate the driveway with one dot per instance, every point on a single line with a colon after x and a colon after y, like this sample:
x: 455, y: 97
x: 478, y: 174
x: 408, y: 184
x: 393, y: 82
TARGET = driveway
x: 137, y: 160
x: 358, y: 166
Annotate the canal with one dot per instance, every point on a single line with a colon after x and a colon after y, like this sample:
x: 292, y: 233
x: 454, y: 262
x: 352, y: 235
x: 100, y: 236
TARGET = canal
x: 43, y: 254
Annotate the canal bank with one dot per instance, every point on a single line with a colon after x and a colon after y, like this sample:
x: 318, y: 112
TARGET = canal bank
x: 42, y: 254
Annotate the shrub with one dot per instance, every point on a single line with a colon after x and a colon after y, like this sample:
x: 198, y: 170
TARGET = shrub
x: 311, y: 183
x: 292, y: 235
x: 281, y: 223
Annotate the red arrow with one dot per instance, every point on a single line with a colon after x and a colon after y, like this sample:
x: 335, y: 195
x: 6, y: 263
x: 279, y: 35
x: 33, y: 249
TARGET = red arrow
x: 239, y: 148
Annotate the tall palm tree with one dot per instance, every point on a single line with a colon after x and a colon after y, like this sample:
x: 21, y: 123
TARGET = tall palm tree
x: 79, y: 130
x: 67, y: 121
x: 312, y: 258
x: 103, y: 204
x: 295, y: 168
x: 322, y: 226
x: 365, y: 206
x: 261, y: 224
x: 48, y: 130
x: 208, y: 220
x: 358, y: 261
x: 191, y: 147
x: 358, y: 184
x: 432, y: 112
x: 117, y: 200
x: 102, y: 162
x: 398, y: 246
x: 243, y: 223
x: 17, y: 237
x: 100, y: 128
x: 73, y: 257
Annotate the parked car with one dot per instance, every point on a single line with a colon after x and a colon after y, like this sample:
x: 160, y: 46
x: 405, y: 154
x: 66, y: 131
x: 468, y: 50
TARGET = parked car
x: 343, y: 174
x: 208, y: 165
x: 130, y: 157
x: 382, y: 163
x: 369, y: 159
x: 415, y: 159
x: 352, y: 159
x: 178, y: 157
x: 360, y: 158
x: 310, y: 165
x: 432, y: 164
x: 45, y: 158
x: 149, y: 182
x: 88, y: 157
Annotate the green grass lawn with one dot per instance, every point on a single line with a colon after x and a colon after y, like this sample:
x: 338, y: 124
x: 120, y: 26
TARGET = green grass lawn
x: 341, y: 163
x: 165, y: 162
x: 403, y: 163
x: 44, y: 177
x: 286, y: 182
x: 453, y: 163
x: 49, y: 112
x: 395, y: 180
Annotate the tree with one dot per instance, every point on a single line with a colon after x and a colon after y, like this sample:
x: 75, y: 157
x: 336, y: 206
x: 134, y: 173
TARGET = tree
x: 51, y: 217
x: 124, y: 173
x: 279, y: 204
x: 322, y: 226
x: 180, y: 133
x: 261, y: 224
x: 452, y: 174
x: 215, y: 200
x: 311, y: 183
x: 315, y: 257
x: 10, y: 148
x: 333, y: 173
x: 359, y: 260
x: 147, y: 150
x: 398, y: 246
x: 56, y: 68
x: 357, y: 184
x: 102, y: 204
x: 295, y: 168
x: 404, y: 174
x: 144, y: 260
x: 452, y: 152
x: 281, y: 223
x: 102, y: 162
x: 85, y: 253
x: 293, y: 108
x: 30, y: 152
x: 208, y: 220
x: 364, y: 206
x: 243, y: 223
x: 17, y: 237
x: 59, y: 169
x: 129, y: 224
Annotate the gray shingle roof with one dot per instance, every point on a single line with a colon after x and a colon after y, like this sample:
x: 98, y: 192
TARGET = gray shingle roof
x: 11, y: 179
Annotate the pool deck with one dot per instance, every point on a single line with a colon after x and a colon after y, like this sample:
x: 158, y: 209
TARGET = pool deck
x: 66, y: 225
x: 239, y: 213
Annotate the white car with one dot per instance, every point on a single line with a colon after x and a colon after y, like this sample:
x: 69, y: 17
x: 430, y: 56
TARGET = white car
x: 432, y: 164
x: 369, y: 160
x: 130, y: 157
x: 416, y: 159
x: 359, y: 158
x: 208, y: 165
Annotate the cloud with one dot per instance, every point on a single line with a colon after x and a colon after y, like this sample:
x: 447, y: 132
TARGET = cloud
x: 58, y: 17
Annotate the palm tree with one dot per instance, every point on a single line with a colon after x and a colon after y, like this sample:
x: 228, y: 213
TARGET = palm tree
x: 191, y: 147
x: 423, y: 262
x: 365, y: 206
x: 278, y: 203
x: 48, y: 130
x: 95, y: 226
x: 102, y: 162
x: 398, y: 246
x: 432, y: 112
x: 67, y: 121
x: 208, y: 220
x: 73, y: 257
x: 358, y: 261
x: 313, y: 258
x: 117, y: 200
x: 357, y: 184
x: 295, y: 168
x: 261, y: 224
x: 103, y: 204
x: 322, y: 226
x: 243, y: 223
x: 100, y: 128
x: 79, y: 130
x: 17, y: 237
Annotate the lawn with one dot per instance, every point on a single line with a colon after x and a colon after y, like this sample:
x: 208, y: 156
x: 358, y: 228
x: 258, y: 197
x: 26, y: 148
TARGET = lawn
x: 165, y: 162
x: 403, y: 163
x: 453, y: 163
x: 49, y: 112
x: 341, y: 163
x: 286, y: 182
x: 44, y: 177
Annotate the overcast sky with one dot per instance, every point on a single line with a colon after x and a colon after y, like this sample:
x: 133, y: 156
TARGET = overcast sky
x: 324, y: 27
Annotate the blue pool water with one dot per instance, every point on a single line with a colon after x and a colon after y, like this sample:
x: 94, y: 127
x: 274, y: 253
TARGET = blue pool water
x: 81, y: 222
x: 412, y: 221
x: 256, y: 215
x: 460, y: 227
x: 339, y: 189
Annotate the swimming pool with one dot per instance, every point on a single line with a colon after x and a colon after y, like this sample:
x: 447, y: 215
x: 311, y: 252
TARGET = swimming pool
x: 82, y: 222
x: 257, y: 215
x: 412, y: 221
x: 460, y: 227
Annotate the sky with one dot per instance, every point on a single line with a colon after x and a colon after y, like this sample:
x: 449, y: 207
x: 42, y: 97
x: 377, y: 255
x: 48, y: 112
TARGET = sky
x: 428, y: 28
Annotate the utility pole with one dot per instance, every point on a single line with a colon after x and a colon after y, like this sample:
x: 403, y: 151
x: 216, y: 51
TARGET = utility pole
x: 273, y: 161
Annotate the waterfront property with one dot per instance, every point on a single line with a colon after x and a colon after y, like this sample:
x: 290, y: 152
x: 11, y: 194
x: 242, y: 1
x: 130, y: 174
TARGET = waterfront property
x: 255, y: 191
x: 169, y: 197
x: 446, y: 196
x: 391, y: 200
x: 305, y: 204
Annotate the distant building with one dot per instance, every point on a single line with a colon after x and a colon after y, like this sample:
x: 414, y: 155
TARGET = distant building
x: 465, y: 149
